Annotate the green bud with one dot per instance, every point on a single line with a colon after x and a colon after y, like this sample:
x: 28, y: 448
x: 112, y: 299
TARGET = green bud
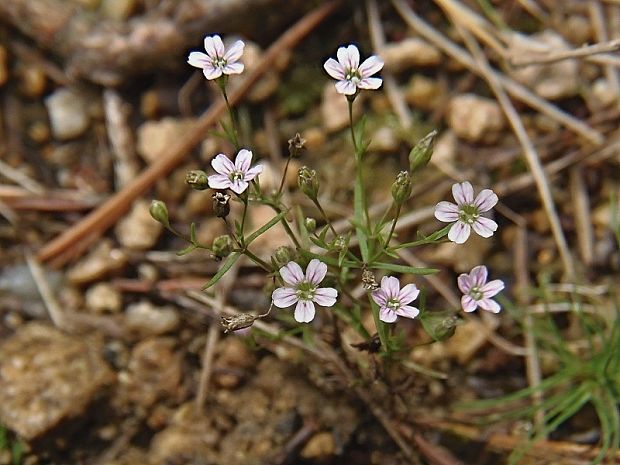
x: 296, y: 145
x: 421, y: 154
x: 401, y: 189
x: 222, y: 246
x: 310, y: 224
x: 221, y: 205
x: 439, y: 325
x: 159, y: 212
x: 308, y: 182
x: 236, y: 322
x: 282, y: 256
x: 340, y: 243
x: 197, y: 180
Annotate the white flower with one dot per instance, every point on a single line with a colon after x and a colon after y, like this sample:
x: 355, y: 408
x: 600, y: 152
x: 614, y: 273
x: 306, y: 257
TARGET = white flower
x: 217, y: 60
x: 394, y: 301
x: 477, y: 292
x: 303, y: 289
x: 466, y: 212
x: 235, y: 177
x: 350, y: 74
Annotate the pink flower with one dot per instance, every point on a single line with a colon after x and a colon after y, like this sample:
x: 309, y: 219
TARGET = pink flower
x: 235, y: 177
x: 217, y: 60
x: 393, y: 300
x: 303, y: 290
x: 466, y: 213
x: 350, y: 74
x: 477, y: 292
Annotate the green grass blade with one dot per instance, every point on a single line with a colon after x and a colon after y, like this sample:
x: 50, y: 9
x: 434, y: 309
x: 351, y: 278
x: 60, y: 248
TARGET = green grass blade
x: 230, y: 261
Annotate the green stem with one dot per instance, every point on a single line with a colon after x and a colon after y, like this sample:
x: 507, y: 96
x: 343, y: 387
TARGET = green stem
x: 325, y: 217
x: 357, y: 155
x: 358, y: 194
x: 259, y: 261
x: 389, y: 238
x: 283, y: 177
x: 244, y: 199
x: 231, y: 113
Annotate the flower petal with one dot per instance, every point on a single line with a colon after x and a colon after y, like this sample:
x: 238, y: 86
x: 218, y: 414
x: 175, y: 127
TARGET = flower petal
x: 234, y: 52
x: 243, y: 160
x: 349, y: 57
x: 484, y: 226
x: 463, y: 193
x: 489, y: 305
x: 459, y: 232
x: 391, y: 286
x: 325, y: 296
x: 465, y: 283
x: 211, y: 72
x: 492, y: 288
x: 380, y: 297
x: 468, y: 304
x: 370, y: 83
x: 292, y: 274
x: 253, y: 172
x: 387, y: 315
x: 284, y: 297
x: 478, y: 276
x: 238, y: 186
x: 316, y: 271
x: 334, y: 69
x: 370, y: 66
x: 486, y: 200
x: 214, y: 46
x: 198, y: 59
x: 345, y: 87
x: 408, y: 293
x: 233, y: 68
x: 447, y: 211
x: 304, y: 311
x: 222, y: 164
x: 408, y: 311
x: 219, y: 181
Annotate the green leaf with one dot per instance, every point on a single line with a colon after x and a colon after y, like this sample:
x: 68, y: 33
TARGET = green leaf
x: 402, y: 268
x: 330, y: 260
x: 360, y: 231
x: 230, y: 261
x: 192, y: 233
x: 270, y: 224
x: 432, y: 238
x: 186, y: 250
x: 382, y: 328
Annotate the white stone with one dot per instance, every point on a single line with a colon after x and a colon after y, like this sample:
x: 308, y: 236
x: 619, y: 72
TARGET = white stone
x: 68, y: 114
x: 475, y: 118
x: 138, y: 230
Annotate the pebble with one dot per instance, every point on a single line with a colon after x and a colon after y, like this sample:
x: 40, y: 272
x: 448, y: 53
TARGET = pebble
x: 475, y: 118
x: 103, y: 297
x: 384, y: 140
x: 270, y: 240
x: 156, y: 136
x: 408, y: 53
x: 551, y: 81
x: 47, y: 377
x: 118, y: 10
x: 138, y: 230
x: 444, y: 152
x: 315, y: 138
x: 4, y: 69
x: 335, y: 109
x: 146, y: 319
x: 104, y: 259
x: 601, y: 95
x: 423, y: 93
x: 321, y: 445
x: 68, y: 113
x: 32, y: 80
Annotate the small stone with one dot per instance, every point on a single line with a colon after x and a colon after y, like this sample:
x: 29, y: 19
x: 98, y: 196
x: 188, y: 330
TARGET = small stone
x: 39, y: 132
x: 335, y: 109
x: 103, y: 297
x: 444, y: 151
x: 468, y: 338
x: 104, y: 259
x: 315, y: 138
x: 273, y: 238
x: 423, y: 93
x: 118, y: 10
x: 156, y: 136
x: 209, y: 229
x: 146, y: 319
x: 68, y: 113
x: 601, y: 95
x: 47, y: 377
x: 384, y: 140
x: 4, y: 69
x: 320, y: 445
x: 553, y: 80
x: 475, y: 118
x: 32, y: 80
x: 408, y: 53
x: 138, y: 230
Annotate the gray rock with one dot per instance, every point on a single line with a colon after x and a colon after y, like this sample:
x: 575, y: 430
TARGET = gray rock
x: 68, y: 113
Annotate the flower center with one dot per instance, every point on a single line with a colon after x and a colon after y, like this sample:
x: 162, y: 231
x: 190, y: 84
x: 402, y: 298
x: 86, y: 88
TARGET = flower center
x: 353, y: 75
x: 218, y: 62
x: 305, y: 291
x: 236, y: 176
x: 468, y: 214
x: 393, y: 304
x: 475, y: 293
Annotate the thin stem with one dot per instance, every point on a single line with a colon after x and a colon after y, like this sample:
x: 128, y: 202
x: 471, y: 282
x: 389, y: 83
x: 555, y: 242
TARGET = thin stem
x: 283, y: 177
x: 231, y: 113
x: 389, y: 238
x: 259, y: 261
x: 244, y: 199
x: 325, y: 217
x: 357, y: 155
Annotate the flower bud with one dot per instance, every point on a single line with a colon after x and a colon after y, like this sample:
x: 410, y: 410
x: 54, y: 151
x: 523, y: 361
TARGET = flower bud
x: 159, y: 212
x: 222, y: 246
x: 235, y: 322
x: 308, y: 182
x: 282, y: 256
x: 310, y: 224
x: 421, y: 154
x: 401, y: 189
x: 340, y: 243
x: 197, y: 180
x: 296, y: 145
x: 369, y: 282
x: 439, y: 325
x: 221, y: 205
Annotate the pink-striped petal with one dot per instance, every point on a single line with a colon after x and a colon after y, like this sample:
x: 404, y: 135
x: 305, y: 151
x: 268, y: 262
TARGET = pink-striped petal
x: 198, y: 59
x: 284, y: 297
x: 214, y: 46
x: 408, y: 311
x: 370, y: 66
x: 304, y: 311
x: 370, y: 83
x: 465, y: 283
x: 391, y: 286
x: 211, y: 72
x: 463, y: 193
x: 486, y: 200
x: 489, y: 305
x: 316, y: 271
x: 235, y: 51
x: 238, y: 186
x: 387, y: 315
x: 484, y: 226
x: 219, y: 181
x: 380, y: 297
x: 492, y: 288
x: 446, y: 211
x: 345, y: 87
x: 478, y: 276
x: 408, y: 294
x: 253, y: 172
x: 233, y: 68
x: 334, y: 69
x: 468, y: 304
x: 222, y: 165
x: 243, y: 160
x: 325, y: 296
x: 349, y: 57
x: 459, y: 232
x: 292, y: 274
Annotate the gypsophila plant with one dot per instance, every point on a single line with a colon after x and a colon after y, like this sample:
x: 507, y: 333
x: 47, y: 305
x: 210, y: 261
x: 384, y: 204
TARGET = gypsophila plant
x: 316, y: 274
